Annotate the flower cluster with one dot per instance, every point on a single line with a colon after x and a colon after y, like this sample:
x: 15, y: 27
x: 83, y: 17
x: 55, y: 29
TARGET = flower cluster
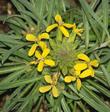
x: 82, y: 69
x: 42, y: 60
x: 83, y: 65
x: 37, y: 42
x: 52, y: 80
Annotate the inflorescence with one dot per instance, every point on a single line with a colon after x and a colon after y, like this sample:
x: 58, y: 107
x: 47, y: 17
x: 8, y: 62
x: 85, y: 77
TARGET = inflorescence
x: 82, y: 67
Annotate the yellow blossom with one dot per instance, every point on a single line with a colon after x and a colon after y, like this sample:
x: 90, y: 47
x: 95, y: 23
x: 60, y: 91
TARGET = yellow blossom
x: 42, y: 60
x: 77, y: 76
x: 37, y: 42
x: 52, y: 80
x: 86, y: 63
x: 77, y: 30
x: 61, y: 25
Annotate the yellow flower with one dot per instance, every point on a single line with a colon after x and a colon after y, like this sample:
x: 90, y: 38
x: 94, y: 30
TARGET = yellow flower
x: 52, y: 80
x: 77, y: 76
x: 86, y: 63
x: 61, y: 25
x: 77, y: 30
x: 42, y: 60
x: 37, y: 42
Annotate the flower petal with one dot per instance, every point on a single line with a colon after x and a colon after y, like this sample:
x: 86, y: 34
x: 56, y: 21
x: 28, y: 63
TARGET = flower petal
x: 69, y: 79
x: 78, y: 84
x: 78, y: 31
x: 40, y: 66
x: 79, y: 34
x: 64, y: 31
x: 80, y: 66
x: 43, y: 36
x: 45, y: 52
x: 55, y: 92
x: 49, y: 62
x: 68, y: 25
x: 48, y: 79
x: 51, y: 27
x: 94, y: 63
x: 92, y: 71
x: 85, y: 73
x: 42, y: 45
x: 30, y: 37
x: 58, y: 18
x: 32, y: 49
x: 83, y: 57
x: 74, y: 26
x: 77, y: 72
x: 33, y: 62
x: 38, y: 55
x: 44, y: 89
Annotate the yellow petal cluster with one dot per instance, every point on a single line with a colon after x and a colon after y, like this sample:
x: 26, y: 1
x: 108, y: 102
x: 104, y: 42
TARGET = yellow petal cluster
x: 52, y: 85
x: 82, y: 70
x: 42, y: 59
x: 77, y: 76
x: 61, y: 26
x: 37, y: 42
x: 89, y: 64
x: 77, y: 30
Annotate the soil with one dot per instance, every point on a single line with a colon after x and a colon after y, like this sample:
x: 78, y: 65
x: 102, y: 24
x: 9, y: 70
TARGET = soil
x: 5, y: 8
x: 4, y: 4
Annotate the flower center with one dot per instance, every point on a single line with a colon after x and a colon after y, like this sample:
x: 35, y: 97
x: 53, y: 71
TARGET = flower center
x: 41, y: 59
x: 88, y: 64
x: 64, y: 54
x: 61, y: 23
x: 37, y: 40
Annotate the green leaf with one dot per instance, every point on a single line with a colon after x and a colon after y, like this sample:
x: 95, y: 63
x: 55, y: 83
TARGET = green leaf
x: 18, y: 5
x: 91, y: 99
x: 8, y: 69
x: 105, y: 11
x: 11, y: 51
x: 106, y: 74
x: 86, y: 30
x: 88, y: 10
x: 10, y: 39
x: 33, y: 95
x: 13, y: 76
x: 64, y: 70
x: 71, y: 96
x: 19, y: 83
x: 102, y: 106
x: 100, y: 88
x: 50, y: 11
x: 65, y: 105
x: 59, y: 35
x: 52, y: 43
